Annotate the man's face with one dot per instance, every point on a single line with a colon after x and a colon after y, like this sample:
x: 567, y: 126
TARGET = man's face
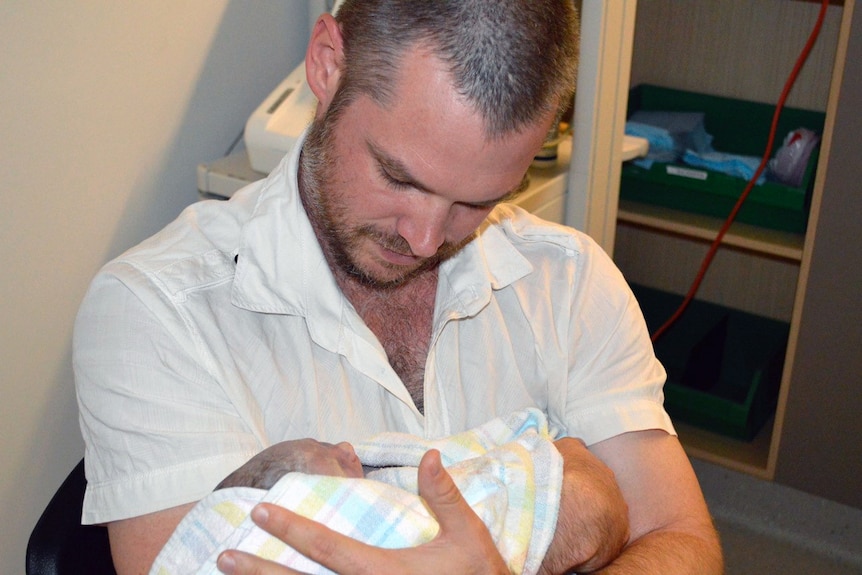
x: 393, y: 191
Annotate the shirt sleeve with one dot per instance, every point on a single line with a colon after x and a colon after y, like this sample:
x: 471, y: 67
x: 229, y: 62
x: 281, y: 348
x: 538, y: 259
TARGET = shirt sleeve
x: 159, y: 429
x: 615, y: 382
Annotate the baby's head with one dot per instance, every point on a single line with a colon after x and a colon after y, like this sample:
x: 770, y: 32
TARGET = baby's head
x: 300, y: 455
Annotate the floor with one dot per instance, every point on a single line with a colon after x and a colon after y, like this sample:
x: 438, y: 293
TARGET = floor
x: 768, y: 528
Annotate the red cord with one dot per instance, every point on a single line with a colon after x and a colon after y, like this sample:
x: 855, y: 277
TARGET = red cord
x: 766, y: 155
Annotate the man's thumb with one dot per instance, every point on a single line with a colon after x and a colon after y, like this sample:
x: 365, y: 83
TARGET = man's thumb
x: 441, y: 494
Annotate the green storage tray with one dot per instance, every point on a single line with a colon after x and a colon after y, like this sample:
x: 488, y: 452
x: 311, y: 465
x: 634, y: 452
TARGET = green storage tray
x: 738, y: 127
x: 724, y: 366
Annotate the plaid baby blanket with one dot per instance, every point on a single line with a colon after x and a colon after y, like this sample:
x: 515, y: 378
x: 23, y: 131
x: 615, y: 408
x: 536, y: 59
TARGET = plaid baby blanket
x: 508, y: 470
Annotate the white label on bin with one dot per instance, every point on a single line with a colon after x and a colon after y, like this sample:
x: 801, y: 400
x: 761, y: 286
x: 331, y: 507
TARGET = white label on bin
x: 687, y: 173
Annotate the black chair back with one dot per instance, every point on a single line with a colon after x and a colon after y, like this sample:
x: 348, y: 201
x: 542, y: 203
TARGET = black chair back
x: 59, y: 544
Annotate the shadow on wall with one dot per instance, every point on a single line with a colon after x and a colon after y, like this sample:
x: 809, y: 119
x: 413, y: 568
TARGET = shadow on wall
x: 256, y: 44
x: 237, y: 75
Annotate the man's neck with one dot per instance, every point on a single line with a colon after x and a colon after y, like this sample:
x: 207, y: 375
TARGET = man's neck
x: 421, y: 289
x: 402, y: 319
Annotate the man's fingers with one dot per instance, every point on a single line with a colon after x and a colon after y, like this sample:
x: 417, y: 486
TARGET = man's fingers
x: 435, y: 483
x: 331, y: 549
x: 458, y: 522
x: 231, y: 562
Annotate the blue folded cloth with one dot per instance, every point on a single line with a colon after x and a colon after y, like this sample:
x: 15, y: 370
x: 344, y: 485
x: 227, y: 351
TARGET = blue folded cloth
x: 682, y: 137
x: 669, y: 134
x: 661, y: 145
x: 730, y: 164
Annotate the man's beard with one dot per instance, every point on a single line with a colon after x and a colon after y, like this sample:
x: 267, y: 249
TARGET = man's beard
x: 341, y: 240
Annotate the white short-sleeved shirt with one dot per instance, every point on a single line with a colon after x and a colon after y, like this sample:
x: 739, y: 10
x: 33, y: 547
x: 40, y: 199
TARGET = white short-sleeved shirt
x: 226, y: 333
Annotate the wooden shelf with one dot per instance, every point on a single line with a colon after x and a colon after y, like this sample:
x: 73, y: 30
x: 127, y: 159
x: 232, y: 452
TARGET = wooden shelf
x: 750, y: 457
x: 786, y: 450
x: 773, y: 243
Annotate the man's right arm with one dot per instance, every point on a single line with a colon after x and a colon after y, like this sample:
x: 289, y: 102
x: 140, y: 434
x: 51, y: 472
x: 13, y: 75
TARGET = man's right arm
x: 136, y: 542
x: 146, y: 404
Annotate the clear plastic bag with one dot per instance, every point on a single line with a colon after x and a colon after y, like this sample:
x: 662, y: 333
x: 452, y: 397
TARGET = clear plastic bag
x: 788, y: 165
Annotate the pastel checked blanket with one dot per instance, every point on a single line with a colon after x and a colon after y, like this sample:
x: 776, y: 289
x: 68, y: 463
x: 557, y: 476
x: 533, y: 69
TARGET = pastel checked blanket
x: 508, y: 470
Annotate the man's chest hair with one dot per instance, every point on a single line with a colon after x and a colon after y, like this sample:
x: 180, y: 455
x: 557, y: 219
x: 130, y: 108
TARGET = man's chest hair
x: 402, y: 320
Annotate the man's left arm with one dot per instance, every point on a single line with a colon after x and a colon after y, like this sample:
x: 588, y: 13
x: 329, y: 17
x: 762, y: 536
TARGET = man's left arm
x: 671, y: 528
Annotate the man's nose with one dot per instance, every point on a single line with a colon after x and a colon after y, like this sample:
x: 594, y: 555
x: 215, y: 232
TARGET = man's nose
x: 425, y: 227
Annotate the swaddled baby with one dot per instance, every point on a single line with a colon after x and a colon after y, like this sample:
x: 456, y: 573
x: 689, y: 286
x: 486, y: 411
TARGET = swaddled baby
x: 508, y: 470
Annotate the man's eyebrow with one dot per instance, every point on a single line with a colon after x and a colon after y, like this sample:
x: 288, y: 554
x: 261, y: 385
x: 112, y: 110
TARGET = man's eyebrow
x: 508, y: 196
x: 395, y: 169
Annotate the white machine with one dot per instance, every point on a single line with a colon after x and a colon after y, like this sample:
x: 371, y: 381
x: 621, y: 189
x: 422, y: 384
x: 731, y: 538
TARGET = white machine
x: 280, y: 119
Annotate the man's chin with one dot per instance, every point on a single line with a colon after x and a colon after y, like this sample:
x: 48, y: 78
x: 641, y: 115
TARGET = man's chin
x: 390, y: 277
x: 379, y: 273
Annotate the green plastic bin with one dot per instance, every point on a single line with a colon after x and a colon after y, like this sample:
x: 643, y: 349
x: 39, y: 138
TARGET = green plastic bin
x: 737, y: 127
x: 724, y: 366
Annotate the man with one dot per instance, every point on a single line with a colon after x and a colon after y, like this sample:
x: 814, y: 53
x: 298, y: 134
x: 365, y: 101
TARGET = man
x: 367, y: 286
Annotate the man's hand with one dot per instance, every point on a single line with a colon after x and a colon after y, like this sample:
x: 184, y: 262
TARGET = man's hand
x: 463, y: 545
x: 303, y: 455
x: 593, y: 524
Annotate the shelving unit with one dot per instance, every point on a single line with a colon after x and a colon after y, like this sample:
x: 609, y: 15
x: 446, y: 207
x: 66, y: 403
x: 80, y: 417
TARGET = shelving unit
x: 703, y: 60
x: 756, y: 239
x: 752, y: 457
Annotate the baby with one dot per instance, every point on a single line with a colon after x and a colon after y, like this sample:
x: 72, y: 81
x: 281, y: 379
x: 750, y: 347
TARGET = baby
x: 508, y: 470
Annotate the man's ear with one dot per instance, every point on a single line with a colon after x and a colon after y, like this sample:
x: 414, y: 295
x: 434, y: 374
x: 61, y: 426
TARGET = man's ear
x: 323, y: 60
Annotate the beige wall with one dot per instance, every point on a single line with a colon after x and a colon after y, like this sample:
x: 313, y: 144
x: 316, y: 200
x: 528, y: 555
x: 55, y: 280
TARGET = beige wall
x: 105, y: 110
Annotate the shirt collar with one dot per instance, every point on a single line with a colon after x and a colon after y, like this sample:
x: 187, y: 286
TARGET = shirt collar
x: 281, y: 268
x: 490, y: 262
